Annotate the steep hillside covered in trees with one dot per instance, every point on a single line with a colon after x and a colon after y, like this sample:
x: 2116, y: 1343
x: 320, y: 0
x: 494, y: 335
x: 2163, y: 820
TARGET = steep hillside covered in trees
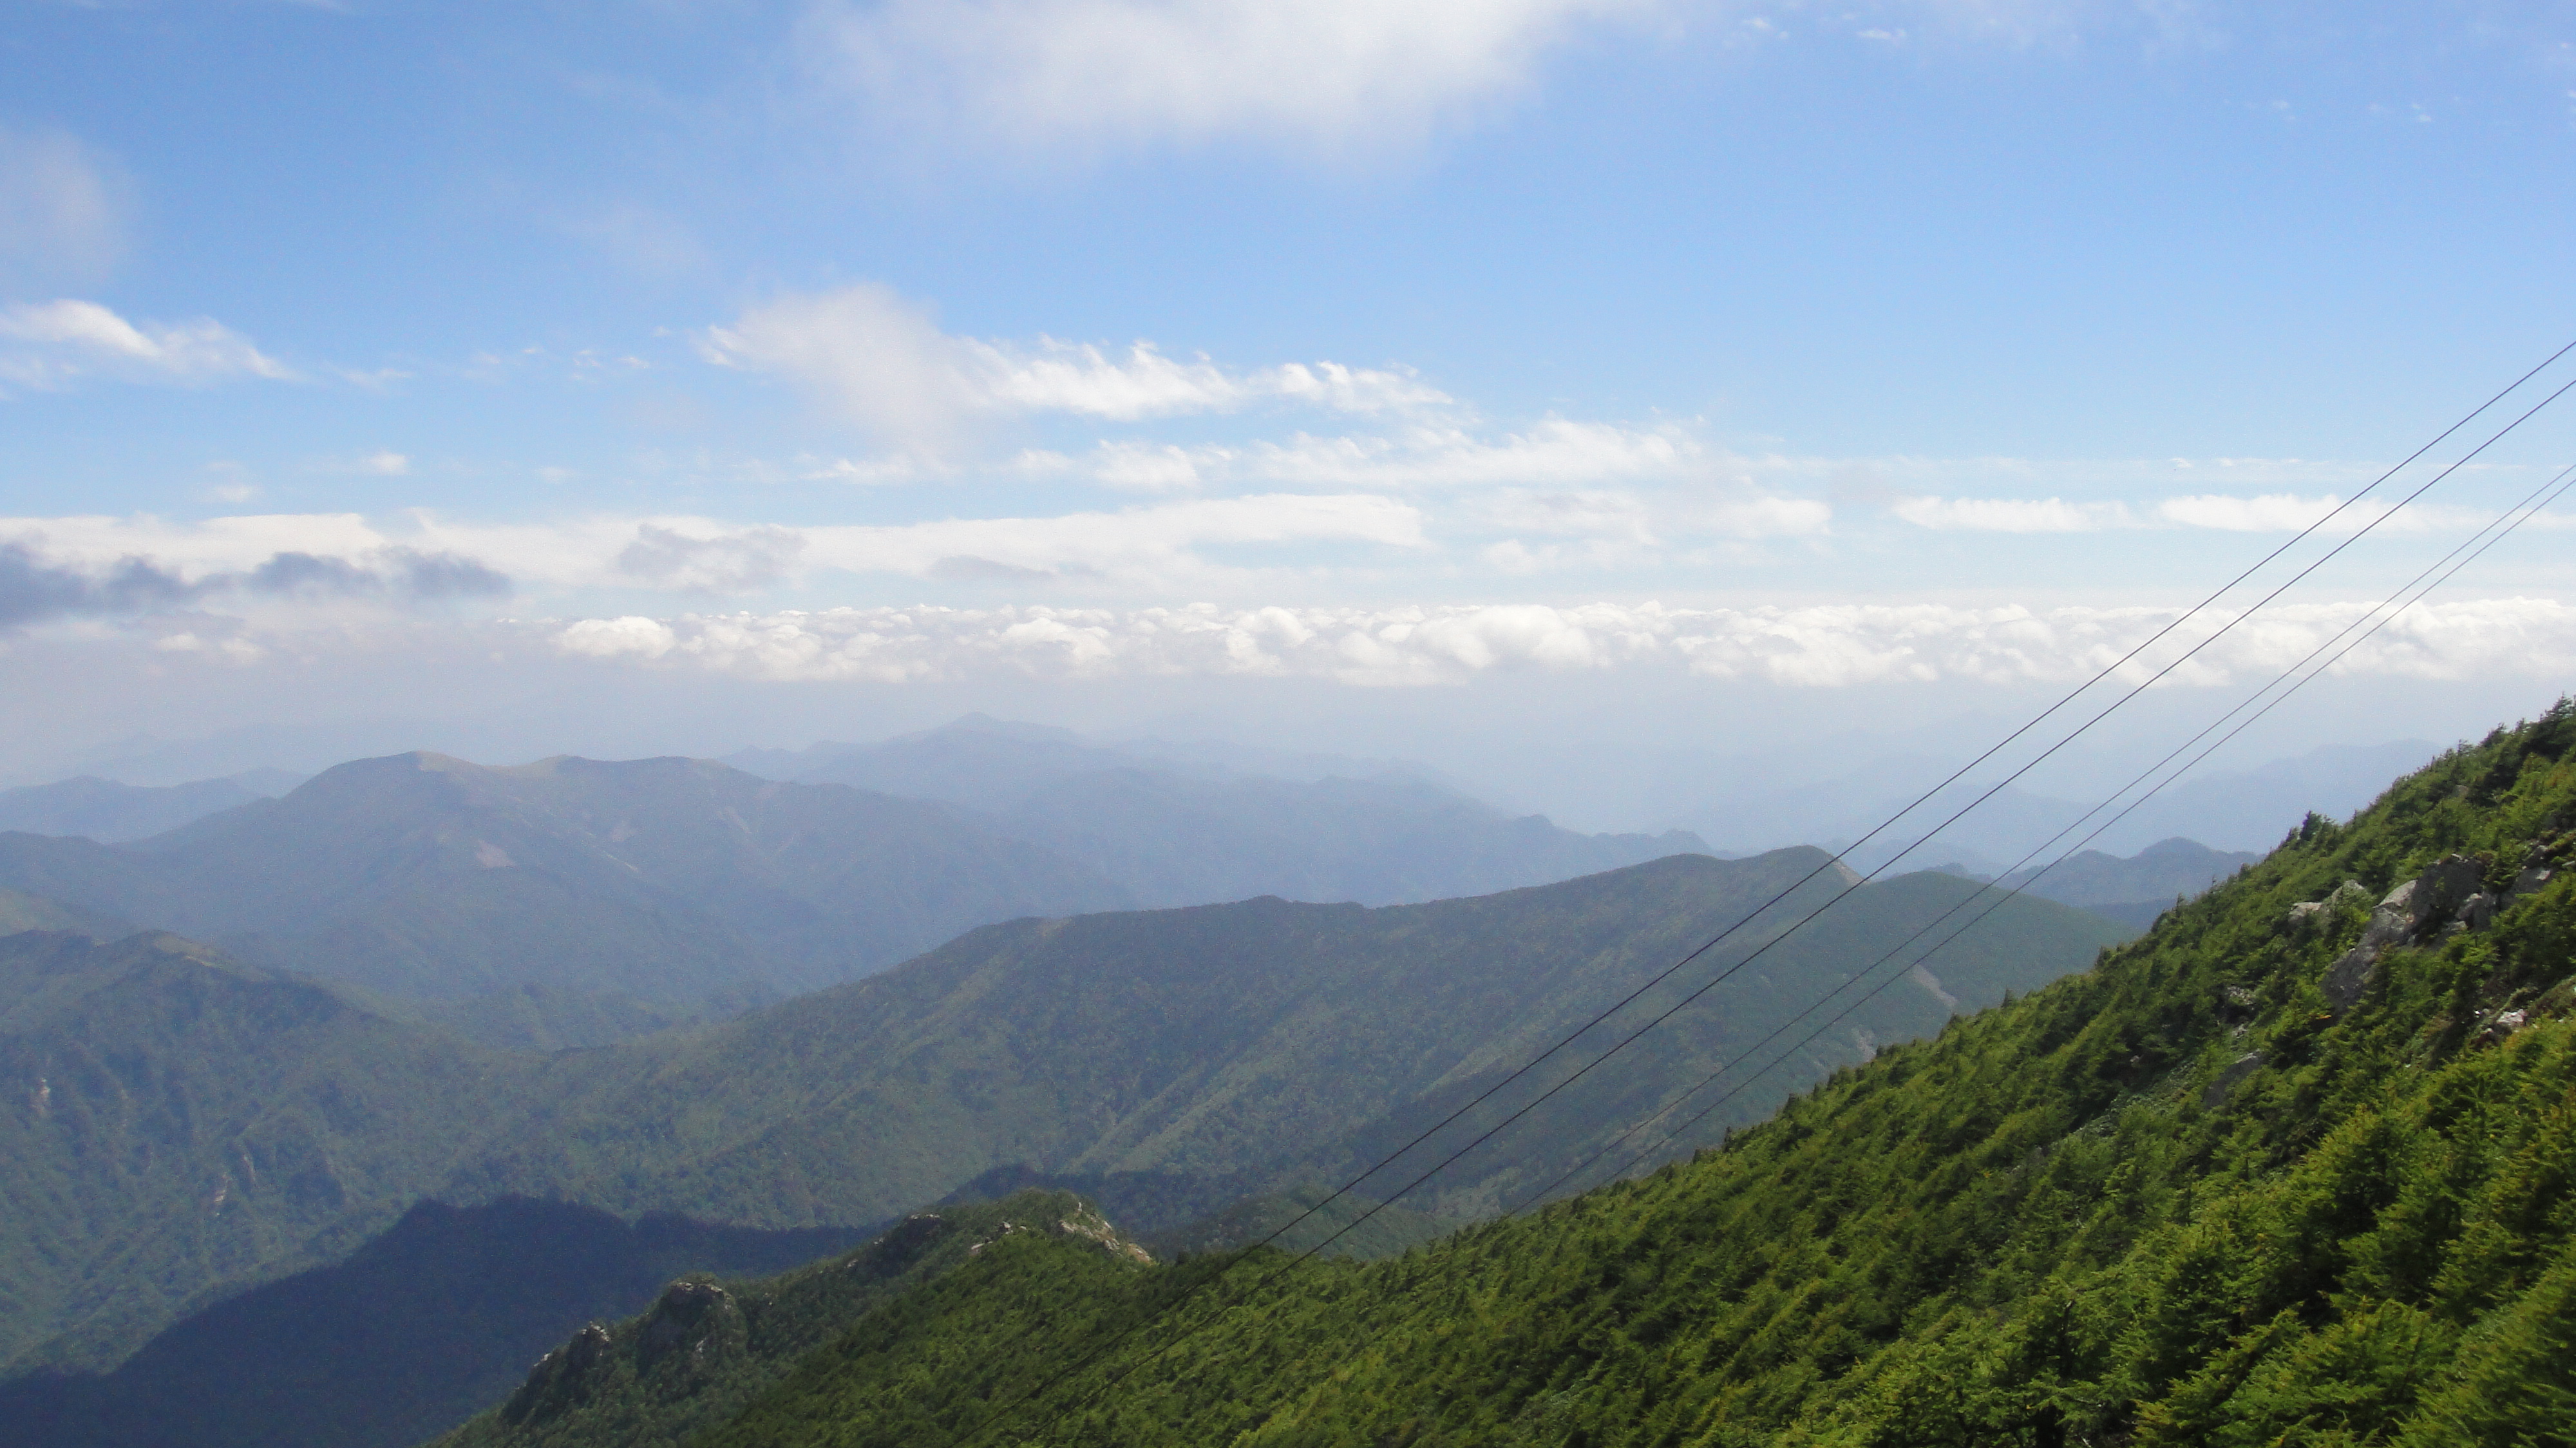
x: 2293, y: 1169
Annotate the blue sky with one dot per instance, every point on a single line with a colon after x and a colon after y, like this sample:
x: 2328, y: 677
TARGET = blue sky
x: 1887, y: 347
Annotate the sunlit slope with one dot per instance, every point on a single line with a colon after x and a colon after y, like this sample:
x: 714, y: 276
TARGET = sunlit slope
x: 1255, y: 1045
x: 706, y: 1348
x: 2198, y: 1195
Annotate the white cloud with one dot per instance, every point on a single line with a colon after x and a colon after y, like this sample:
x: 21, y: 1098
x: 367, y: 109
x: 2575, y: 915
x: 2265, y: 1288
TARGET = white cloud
x: 1551, y: 453
x: 2011, y: 515
x: 62, y: 215
x: 2265, y: 513
x: 1325, y: 75
x: 50, y: 345
x: 880, y: 360
x: 1820, y: 647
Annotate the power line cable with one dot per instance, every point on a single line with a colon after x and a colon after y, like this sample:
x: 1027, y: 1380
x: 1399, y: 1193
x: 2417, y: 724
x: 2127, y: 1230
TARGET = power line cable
x: 1522, y: 1070
x: 2106, y: 672
x: 2528, y: 509
x: 1721, y: 977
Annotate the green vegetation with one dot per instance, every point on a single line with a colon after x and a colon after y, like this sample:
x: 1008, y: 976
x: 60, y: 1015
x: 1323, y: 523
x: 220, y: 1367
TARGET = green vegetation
x: 706, y: 1348
x: 177, y: 1125
x: 2189, y: 1197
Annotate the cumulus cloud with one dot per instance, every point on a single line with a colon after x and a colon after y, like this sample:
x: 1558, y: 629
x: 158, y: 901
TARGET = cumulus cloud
x: 880, y: 360
x: 62, y: 212
x: 1328, y: 75
x: 50, y: 345
x: 1819, y: 647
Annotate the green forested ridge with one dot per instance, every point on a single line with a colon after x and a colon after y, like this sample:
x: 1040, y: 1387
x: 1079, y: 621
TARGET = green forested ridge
x: 1265, y: 1041
x: 706, y: 1347
x: 2183, y: 1199
x: 176, y: 1122
x: 178, y: 1125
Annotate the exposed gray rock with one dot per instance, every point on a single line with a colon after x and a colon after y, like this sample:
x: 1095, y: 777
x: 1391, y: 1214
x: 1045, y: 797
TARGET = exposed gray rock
x: 2310, y: 914
x: 2392, y: 923
x: 2215, y: 1093
x: 2350, y: 974
x: 2445, y: 886
x: 2449, y: 891
x: 686, y: 1314
x: 560, y: 1378
x: 2529, y: 882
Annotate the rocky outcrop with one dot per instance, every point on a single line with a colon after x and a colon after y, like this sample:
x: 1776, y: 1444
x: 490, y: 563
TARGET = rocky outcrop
x: 562, y: 1379
x: 2449, y: 898
x: 692, y: 1316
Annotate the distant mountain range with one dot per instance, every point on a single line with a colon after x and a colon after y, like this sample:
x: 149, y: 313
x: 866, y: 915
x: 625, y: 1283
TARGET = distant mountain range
x: 666, y: 880
x: 1182, y: 826
x: 110, y: 812
x: 574, y: 902
x: 186, y: 1123
x: 2228, y: 810
x: 2133, y: 891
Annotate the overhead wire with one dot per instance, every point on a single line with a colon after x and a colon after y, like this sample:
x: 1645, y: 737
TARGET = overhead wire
x: 1000, y: 1414
x: 2504, y: 524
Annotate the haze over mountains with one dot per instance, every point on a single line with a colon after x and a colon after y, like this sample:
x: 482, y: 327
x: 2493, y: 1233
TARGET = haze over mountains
x: 1178, y: 825
x: 110, y: 811
x: 2230, y: 810
x: 661, y: 880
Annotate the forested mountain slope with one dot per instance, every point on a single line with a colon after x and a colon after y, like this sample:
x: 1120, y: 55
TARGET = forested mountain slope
x: 706, y: 1348
x: 178, y: 1124
x: 1252, y: 1046
x: 2294, y: 1169
x: 661, y: 879
x: 175, y: 1121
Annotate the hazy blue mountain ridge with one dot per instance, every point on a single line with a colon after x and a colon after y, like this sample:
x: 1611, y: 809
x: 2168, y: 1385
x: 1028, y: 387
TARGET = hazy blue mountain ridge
x: 1174, y: 825
x: 111, y: 812
x: 663, y: 880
